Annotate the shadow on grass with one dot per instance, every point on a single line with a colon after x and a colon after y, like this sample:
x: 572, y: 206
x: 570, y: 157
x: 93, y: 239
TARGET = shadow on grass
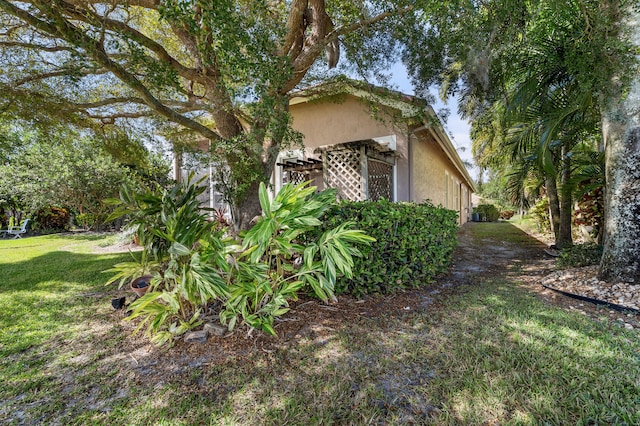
x: 490, y: 355
x: 496, y: 356
x: 86, y: 235
x: 57, y: 270
x: 49, y: 293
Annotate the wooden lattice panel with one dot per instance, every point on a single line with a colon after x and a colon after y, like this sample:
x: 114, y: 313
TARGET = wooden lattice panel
x: 380, y: 180
x: 342, y: 171
x: 296, y: 178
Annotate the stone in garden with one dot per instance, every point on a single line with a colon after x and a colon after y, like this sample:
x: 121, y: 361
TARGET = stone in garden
x: 199, y: 336
x: 215, y: 329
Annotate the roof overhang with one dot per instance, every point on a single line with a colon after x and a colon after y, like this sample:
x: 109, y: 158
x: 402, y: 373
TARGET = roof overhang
x: 412, y: 109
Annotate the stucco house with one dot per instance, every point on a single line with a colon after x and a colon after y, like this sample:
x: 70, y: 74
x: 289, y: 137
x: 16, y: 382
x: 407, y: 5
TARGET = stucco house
x: 371, y: 143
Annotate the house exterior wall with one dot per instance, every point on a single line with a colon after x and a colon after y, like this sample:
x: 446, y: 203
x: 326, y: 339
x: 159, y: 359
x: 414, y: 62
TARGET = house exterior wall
x: 348, y: 119
x: 436, y: 179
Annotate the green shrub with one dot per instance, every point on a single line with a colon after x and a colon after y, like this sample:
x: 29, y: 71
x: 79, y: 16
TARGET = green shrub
x: 86, y: 220
x: 253, y: 278
x: 488, y: 212
x: 540, y: 214
x: 52, y: 219
x: 183, y: 253
x: 580, y: 255
x: 414, y: 243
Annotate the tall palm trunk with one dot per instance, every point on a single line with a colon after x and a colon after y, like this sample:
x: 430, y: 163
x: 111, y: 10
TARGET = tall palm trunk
x: 564, y: 237
x: 554, y: 205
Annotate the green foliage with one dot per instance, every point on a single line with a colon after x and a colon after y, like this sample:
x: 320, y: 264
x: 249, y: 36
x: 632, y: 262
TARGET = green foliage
x: 487, y: 212
x: 193, y: 265
x: 414, y: 243
x: 73, y: 171
x: 183, y: 252
x: 580, y: 255
x: 272, y: 265
x: 85, y: 220
x: 590, y: 211
x: 540, y: 214
x: 51, y: 219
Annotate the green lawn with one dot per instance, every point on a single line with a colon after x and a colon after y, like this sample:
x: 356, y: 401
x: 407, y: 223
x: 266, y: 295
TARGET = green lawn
x: 492, y: 354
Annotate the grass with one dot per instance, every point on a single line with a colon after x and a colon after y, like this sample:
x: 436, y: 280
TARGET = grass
x: 493, y: 353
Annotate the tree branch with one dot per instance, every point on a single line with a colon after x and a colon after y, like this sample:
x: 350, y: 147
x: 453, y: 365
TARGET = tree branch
x: 314, y: 48
x: 36, y: 46
x: 61, y: 73
x: 64, y: 28
x: 295, y: 26
x: 208, y: 76
x: 147, y: 4
x: 122, y: 28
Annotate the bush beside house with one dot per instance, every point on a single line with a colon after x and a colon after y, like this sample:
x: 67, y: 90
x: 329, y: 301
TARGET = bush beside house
x: 414, y: 243
x: 487, y: 212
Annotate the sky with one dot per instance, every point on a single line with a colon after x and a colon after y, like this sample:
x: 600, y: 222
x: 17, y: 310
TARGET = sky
x: 457, y: 128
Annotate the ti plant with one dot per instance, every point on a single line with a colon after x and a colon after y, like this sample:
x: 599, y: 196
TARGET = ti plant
x: 271, y: 265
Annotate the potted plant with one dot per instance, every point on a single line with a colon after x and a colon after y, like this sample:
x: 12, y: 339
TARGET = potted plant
x: 141, y: 285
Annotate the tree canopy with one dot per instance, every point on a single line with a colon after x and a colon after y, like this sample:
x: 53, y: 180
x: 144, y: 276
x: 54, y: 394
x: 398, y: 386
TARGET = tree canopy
x: 540, y: 80
x: 64, y: 168
x: 221, y: 69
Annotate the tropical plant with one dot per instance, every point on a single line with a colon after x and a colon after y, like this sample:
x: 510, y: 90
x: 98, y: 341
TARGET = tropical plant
x: 184, y: 253
x: 51, y: 219
x: 272, y: 265
x: 192, y: 264
x: 540, y: 214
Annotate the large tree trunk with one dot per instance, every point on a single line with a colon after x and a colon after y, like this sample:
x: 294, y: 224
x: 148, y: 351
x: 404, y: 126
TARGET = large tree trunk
x: 621, y: 134
x: 554, y: 206
x: 621, y: 256
x: 246, y: 211
x: 565, y: 239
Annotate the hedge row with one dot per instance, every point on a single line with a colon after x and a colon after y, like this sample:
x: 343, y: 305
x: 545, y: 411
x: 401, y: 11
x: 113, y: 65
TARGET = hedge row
x: 414, y: 243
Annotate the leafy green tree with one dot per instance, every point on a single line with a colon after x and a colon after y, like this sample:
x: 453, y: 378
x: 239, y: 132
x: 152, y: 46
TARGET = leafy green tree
x: 222, y: 69
x: 478, y: 49
x: 72, y: 171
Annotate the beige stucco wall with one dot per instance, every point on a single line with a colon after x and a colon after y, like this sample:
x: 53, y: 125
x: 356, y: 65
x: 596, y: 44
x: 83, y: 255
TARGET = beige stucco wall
x: 435, y: 178
x: 348, y: 119
x: 429, y: 174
